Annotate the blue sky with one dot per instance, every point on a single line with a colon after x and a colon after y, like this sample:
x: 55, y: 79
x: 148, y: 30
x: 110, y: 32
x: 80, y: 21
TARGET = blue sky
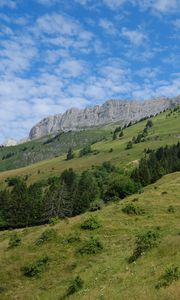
x: 55, y: 54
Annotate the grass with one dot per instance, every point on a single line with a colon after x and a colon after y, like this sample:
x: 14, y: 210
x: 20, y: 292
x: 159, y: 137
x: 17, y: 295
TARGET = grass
x: 165, y: 131
x: 106, y: 274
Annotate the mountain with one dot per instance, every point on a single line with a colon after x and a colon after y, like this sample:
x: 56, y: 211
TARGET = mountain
x: 110, y: 112
x: 46, y: 157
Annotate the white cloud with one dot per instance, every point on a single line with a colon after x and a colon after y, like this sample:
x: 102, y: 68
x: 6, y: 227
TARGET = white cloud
x: 136, y: 37
x: 161, y: 6
x: 8, y: 3
x: 108, y: 26
x: 176, y: 23
x: 71, y: 68
x: 114, y: 3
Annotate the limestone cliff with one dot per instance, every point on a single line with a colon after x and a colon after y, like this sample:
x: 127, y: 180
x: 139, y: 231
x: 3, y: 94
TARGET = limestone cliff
x: 110, y: 112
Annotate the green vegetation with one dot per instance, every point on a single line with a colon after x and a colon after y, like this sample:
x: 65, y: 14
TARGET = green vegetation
x: 144, y: 242
x: 91, y: 246
x: 35, y: 268
x: 76, y: 285
x: 135, y: 243
x: 70, y: 154
x: 15, y: 240
x: 70, y: 194
x: 131, y: 209
x: 91, y: 224
x: 165, y: 131
x: 171, y: 274
x: 46, y: 236
x: 106, y: 274
x: 49, y: 147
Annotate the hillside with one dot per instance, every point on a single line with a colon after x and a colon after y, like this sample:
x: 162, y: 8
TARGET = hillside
x: 106, y: 274
x: 48, y: 147
x: 165, y: 130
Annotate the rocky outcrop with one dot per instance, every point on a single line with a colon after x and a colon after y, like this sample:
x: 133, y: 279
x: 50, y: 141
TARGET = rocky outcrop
x: 110, y: 112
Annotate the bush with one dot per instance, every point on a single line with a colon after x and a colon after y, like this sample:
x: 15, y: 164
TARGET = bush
x: 171, y: 209
x: 86, y: 150
x: 91, y: 224
x: 131, y: 209
x: 91, y: 246
x: 12, y: 181
x: 96, y: 205
x: 120, y: 186
x: 53, y: 221
x: 144, y: 243
x: 14, y: 241
x: 35, y: 268
x: 129, y: 145
x: 76, y: 285
x: 72, y: 238
x: 46, y: 236
x: 171, y: 274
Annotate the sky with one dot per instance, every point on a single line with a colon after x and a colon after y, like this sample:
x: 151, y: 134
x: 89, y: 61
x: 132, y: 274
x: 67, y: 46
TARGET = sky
x: 57, y: 54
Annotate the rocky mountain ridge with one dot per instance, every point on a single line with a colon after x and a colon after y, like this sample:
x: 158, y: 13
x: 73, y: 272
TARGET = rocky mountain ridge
x: 109, y: 112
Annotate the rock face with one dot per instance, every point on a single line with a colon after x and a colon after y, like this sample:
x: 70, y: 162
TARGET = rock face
x: 110, y: 112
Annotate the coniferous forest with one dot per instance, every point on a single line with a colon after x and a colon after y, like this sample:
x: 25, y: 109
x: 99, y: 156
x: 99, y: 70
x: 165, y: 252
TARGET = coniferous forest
x: 72, y: 193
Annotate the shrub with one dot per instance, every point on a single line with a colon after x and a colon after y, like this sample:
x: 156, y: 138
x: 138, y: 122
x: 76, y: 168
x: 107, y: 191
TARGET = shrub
x: 91, y: 246
x: 14, y: 241
x: 144, y: 242
x: 70, y: 154
x: 91, y: 224
x: 131, y: 209
x: 35, y: 268
x: 120, y: 186
x: 53, y: 221
x: 86, y: 150
x: 72, y: 238
x: 129, y: 145
x: 12, y: 181
x: 171, y: 209
x: 96, y: 205
x: 76, y: 285
x: 135, y: 199
x: 171, y: 274
x: 46, y: 236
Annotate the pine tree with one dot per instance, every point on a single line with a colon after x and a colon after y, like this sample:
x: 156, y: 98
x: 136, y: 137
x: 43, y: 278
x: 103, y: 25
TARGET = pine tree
x: 70, y: 154
x: 121, y: 133
x: 87, y: 192
x: 18, y: 206
x: 129, y: 145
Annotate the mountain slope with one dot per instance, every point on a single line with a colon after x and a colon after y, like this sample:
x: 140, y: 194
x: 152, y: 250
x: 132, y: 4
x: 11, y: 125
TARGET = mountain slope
x: 107, y: 274
x: 165, y: 130
x: 110, y: 112
x: 49, y: 147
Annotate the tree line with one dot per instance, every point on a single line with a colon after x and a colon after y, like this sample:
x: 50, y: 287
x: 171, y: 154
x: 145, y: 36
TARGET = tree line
x: 72, y: 194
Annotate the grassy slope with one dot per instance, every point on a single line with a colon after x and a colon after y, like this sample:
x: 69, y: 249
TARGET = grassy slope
x: 49, y: 147
x: 166, y: 130
x: 107, y: 275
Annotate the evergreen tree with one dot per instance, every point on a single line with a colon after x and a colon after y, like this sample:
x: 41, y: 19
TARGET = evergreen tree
x: 87, y: 192
x: 70, y: 154
x: 114, y: 136
x: 121, y: 133
x: 18, y: 211
x: 129, y: 145
x: 35, y: 203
